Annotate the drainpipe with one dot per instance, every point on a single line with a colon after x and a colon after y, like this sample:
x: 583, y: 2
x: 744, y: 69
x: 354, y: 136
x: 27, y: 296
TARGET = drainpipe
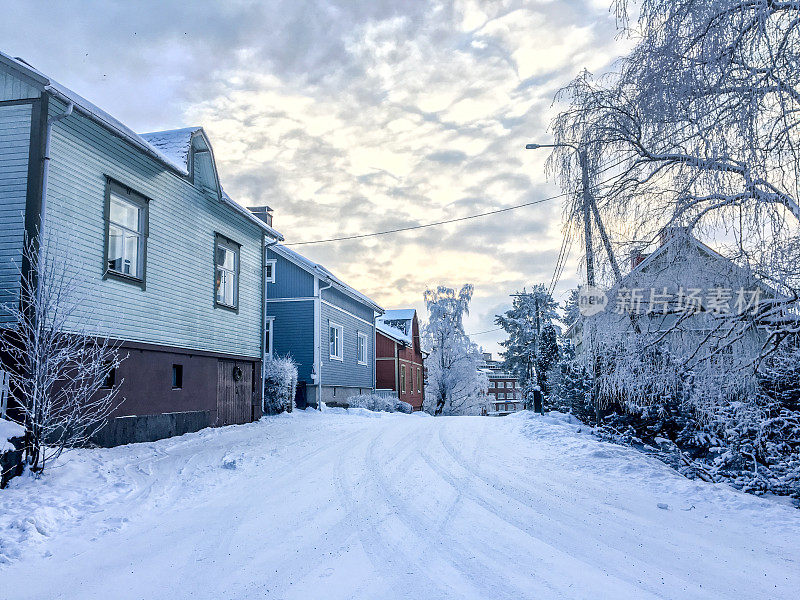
x: 264, y: 343
x: 45, y: 171
x: 319, y: 328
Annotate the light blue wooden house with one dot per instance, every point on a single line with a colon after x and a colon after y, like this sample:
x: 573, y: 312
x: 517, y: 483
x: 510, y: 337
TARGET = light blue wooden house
x: 172, y: 268
x: 325, y: 325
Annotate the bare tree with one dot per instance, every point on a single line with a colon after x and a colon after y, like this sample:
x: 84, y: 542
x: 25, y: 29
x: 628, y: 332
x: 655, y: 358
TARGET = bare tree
x: 62, y: 370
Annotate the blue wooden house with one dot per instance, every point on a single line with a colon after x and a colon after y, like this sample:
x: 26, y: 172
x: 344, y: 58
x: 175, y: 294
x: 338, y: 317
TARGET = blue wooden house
x: 324, y: 324
x: 173, y: 269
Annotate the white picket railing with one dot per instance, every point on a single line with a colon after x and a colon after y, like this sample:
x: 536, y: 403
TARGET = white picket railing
x: 5, y: 385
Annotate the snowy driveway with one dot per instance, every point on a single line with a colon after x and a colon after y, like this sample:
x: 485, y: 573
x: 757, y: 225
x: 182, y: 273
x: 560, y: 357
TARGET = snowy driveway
x: 336, y: 506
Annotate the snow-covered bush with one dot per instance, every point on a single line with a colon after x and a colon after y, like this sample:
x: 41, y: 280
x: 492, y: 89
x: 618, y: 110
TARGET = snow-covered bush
x: 378, y: 403
x: 280, y: 381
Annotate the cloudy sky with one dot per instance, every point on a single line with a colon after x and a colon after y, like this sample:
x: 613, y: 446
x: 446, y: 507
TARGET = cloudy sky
x: 351, y: 117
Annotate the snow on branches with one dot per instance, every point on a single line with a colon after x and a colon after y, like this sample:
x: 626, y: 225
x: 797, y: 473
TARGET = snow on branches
x: 454, y: 385
x: 62, y: 368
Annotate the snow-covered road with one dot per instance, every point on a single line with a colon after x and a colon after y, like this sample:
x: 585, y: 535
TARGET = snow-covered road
x: 384, y: 506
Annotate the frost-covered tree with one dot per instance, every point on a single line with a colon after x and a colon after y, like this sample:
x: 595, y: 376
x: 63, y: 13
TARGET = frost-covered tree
x: 61, y: 366
x: 531, y: 347
x: 699, y: 126
x: 280, y: 382
x: 454, y: 385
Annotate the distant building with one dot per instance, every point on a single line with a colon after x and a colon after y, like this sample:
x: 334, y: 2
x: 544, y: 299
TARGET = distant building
x: 398, y: 356
x: 504, y: 394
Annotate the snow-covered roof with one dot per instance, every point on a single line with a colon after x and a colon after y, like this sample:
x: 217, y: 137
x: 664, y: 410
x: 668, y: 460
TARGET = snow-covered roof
x: 397, y: 324
x: 8, y: 430
x: 167, y: 147
x: 175, y: 144
x: 393, y: 332
x: 323, y: 273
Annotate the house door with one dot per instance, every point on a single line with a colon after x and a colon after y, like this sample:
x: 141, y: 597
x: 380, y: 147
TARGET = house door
x: 300, y: 399
x: 234, y: 392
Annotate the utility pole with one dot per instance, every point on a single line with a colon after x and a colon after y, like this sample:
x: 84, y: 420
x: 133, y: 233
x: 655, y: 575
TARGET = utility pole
x: 588, y: 203
x: 587, y: 216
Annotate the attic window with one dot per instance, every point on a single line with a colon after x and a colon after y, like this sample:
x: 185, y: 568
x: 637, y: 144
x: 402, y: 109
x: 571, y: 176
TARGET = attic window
x: 269, y: 271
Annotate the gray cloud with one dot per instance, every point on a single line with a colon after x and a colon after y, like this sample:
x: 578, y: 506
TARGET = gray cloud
x: 349, y: 117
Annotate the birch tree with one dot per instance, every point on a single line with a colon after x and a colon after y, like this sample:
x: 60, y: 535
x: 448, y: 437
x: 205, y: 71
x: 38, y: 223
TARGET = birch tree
x: 62, y: 370
x: 454, y: 385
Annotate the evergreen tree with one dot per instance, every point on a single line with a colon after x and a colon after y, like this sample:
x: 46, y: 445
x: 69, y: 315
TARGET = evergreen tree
x: 531, y: 348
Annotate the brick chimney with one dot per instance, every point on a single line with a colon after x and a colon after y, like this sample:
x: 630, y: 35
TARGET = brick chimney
x: 637, y: 257
x: 262, y: 212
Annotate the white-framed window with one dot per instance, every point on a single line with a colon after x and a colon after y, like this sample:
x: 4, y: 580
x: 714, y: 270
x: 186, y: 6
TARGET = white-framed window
x: 226, y: 259
x: 335, y: 337
x: 126, y: 231
x: 361, y: 350
x: 269, y: 330
x: 269, y: 270
x: 503, y: 396
x: 403, y: 378
x: 419, y: 379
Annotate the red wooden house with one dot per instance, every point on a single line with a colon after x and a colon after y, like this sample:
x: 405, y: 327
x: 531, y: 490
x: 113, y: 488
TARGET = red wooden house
x: 398, y: 356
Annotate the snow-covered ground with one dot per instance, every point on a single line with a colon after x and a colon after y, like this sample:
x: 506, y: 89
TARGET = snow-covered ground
x: 381, y: 506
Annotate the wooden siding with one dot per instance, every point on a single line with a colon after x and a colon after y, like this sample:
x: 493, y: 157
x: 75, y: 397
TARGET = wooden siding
x: 290, y: 280
x: 348, y: 303
x: 346, y: 372
x: 15, y: 88
x: 293, y: 334
x: 177, y: 307
x: 15, y: 131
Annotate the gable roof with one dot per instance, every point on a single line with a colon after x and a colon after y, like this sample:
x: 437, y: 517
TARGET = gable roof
x: 386, y: 324
x: 318, y: 270
x: 165, y: 149
x: 678, y: 236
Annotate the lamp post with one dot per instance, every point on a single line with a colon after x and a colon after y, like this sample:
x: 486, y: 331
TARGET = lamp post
x: 587, y: 202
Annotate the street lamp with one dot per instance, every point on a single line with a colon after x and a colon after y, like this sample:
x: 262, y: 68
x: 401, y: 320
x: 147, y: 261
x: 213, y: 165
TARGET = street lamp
x: 587, y: 201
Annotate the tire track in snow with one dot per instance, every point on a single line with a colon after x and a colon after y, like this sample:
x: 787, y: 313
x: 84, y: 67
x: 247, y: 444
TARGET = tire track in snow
x: 565, y: 514
x: 459, y: 557
x: 388, y: 559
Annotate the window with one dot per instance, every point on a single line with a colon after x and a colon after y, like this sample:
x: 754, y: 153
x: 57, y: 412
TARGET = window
x: 419, y: 379
x: 226, y: 262
x: 362, y: 348
x: 269, y: 271
x: 336, y: 333
x: 506, y: 384
x: 403, y: 378
x: 126, y: 232
x: 177, y: 377
x: 412, y: 379
x: 111, y: 378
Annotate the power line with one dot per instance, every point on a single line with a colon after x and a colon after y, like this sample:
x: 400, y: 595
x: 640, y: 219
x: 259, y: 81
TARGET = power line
x: 422, y: 226
x: 468, y: 217
x: 482, y: 332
